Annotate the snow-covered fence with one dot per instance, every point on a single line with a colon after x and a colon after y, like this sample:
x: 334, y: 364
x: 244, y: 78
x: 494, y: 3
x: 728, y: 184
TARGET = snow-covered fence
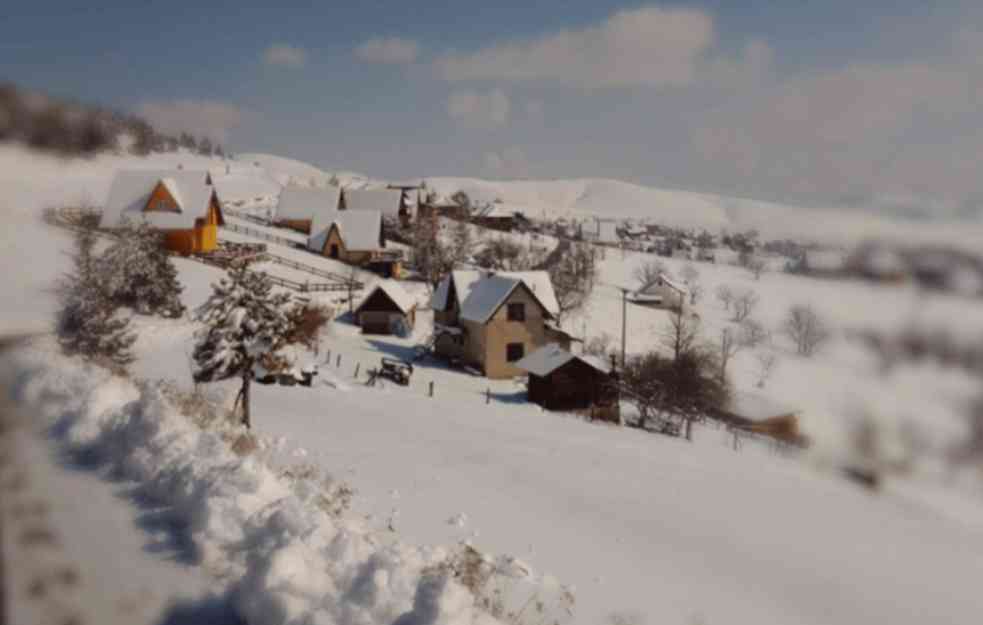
x: 266, y: 236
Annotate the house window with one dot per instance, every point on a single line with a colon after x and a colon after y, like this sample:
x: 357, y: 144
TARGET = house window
x: 514, y: 351
x: 517, y: 312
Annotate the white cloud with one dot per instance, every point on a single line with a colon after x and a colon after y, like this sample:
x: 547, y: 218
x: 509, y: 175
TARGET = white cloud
x: 479, y: 109
x: 285, y: 55
x: 646, y: 46
x: 204, y: 118
x: 389, y: 50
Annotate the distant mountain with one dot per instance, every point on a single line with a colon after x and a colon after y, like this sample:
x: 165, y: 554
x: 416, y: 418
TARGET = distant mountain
x: 293, y: 172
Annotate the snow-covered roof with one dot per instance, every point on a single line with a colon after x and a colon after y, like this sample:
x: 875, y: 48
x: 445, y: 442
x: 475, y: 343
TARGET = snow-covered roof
x: 403, y: 300
x: 551, y: 357
x: 360, y: 230
x: 489, y: 293
x: 386, y: 201
x: 756, y: 407
x: 131, y: 189
x: 464, y: 282
x: 303, y: 203
x: 659, y: 281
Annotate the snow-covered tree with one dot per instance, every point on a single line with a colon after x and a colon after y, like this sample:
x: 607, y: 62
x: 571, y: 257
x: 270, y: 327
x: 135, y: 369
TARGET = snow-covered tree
x: 246, y: 322
x: 86, y: 322
x: 139, y: 273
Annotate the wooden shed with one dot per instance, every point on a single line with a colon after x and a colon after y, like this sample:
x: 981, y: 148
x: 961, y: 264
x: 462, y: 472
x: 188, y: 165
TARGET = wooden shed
x: 387, y: 309
x: 758, y: 414
x: 559, y: 380
x: 180, y: 204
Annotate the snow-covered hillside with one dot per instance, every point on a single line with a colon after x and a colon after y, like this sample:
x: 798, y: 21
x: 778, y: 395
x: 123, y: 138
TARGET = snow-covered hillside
x: 289, y: 171
x: 605, y: 198
x: 648, y: 529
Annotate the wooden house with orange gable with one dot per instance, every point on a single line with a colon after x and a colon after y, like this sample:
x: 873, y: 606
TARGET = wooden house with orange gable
x: 182, y: 205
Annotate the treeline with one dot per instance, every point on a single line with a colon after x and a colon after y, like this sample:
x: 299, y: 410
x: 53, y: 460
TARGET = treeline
x: 72, y: 129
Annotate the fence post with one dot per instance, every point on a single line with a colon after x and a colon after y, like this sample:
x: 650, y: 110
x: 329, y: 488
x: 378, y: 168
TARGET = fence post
x: 327, y: 357
x: 338, y: 364
x: 431, y: 388
x: 357, y: 365
x: 488, y: 396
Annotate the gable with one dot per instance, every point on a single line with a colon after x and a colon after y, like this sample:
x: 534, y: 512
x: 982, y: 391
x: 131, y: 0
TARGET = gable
x: 378, y: 300
x: 161, y: 200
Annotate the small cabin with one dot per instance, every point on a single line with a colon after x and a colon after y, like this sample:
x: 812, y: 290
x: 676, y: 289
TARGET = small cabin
x: 182, y: 205
x: 387, y: 309
x: 297, y: 206
x: 353, y: 237
x: 560, y: 380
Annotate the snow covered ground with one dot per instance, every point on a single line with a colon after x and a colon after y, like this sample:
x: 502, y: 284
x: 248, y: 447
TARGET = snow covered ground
x: 648, y: 529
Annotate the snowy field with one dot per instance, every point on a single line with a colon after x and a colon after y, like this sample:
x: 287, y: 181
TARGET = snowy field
x: 647, y: 529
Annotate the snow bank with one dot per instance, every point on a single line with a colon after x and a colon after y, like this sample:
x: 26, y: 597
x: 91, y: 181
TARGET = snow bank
x: 284, y: 558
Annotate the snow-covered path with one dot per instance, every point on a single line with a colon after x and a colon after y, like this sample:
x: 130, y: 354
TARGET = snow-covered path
x: 650, y: 528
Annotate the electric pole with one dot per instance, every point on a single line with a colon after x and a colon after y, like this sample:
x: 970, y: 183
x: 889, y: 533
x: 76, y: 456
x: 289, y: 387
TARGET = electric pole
x: 624, y: 319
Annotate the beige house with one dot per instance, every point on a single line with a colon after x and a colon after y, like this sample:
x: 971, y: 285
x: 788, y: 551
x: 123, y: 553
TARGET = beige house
x: 491, y: 322
x: 662, y: 292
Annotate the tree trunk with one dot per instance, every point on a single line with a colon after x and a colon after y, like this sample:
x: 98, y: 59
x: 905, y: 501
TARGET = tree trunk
x: 247, y: 376
x: 689, y: 429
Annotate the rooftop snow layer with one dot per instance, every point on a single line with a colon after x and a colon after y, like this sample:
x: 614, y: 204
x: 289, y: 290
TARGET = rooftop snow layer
x: 131, y: 190
x: 360, y: 230
x: 551, y: 357
x: 303, y: 203
x: 403, y: 300
x: 386, y: 201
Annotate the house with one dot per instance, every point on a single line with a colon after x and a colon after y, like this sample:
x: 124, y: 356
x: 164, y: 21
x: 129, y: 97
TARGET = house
x: 297, y: 206
x: 387, y: 309
x: 662, y: 292
x: 496, y: 216
x: 390, y: 203
x: 492, y: 321
x: 758, y: 414
x: 180, y: 204
x: 354, y: 237
x: 560, y: 380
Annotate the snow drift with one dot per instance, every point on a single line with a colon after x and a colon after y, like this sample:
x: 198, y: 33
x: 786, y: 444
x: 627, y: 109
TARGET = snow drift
x: 284, y: 558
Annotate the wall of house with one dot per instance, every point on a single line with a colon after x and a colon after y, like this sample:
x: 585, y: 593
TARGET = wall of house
x: 499, y: 332
x: 300, y: 225
x: 344, y: 254
x: 381, y: 321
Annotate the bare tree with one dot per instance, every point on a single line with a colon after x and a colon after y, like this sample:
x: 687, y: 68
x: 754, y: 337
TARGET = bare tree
x: 766, y: 365
x: 430, y: 256
x: 503, y: 254
x: 573, y: 277
x: 728, y: 348
x: 756, y: 266
x: 647, y: 272
x: 753, y: 333
x: 695, y: 292
x: 682, y: 333
x: 725, y: 295
x: 806, y: 329
x: 462, y: 242
x: 743, y: 305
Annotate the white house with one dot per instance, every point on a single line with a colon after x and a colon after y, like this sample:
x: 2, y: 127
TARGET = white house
x: 662, y: 292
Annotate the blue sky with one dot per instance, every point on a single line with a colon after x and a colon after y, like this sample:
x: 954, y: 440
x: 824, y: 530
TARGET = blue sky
x: 813, y: 102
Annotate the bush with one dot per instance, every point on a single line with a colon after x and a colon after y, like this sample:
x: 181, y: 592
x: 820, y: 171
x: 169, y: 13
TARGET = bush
x: 306, y: 323
x: 806, y: 330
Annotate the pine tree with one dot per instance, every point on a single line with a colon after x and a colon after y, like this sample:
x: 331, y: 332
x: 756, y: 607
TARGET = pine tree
x: 246, y: 323
x: 86, y: 322
x: 140, y: 273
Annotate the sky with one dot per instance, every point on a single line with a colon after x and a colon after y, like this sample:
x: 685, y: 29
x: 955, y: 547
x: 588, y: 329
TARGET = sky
x: 875, y: 105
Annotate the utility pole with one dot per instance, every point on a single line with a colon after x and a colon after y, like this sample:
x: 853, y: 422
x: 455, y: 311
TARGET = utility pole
x: 624, y: 319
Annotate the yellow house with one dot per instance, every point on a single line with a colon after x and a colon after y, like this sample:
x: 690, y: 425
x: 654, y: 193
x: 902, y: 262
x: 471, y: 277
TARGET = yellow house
x: 182, y: 205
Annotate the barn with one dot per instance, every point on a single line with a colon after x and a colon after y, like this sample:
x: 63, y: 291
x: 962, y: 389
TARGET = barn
x: 297, y: 206
x: 560, y: 380
x: 181, y: 204
x: 387, y: 309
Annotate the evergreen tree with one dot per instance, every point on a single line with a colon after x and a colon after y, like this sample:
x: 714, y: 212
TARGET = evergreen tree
x: 140, y: 274
x: 246, y: 322
x: 86, y: 322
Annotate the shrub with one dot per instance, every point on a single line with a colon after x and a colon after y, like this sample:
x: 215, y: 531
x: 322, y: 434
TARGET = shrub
x: 806, y: 329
